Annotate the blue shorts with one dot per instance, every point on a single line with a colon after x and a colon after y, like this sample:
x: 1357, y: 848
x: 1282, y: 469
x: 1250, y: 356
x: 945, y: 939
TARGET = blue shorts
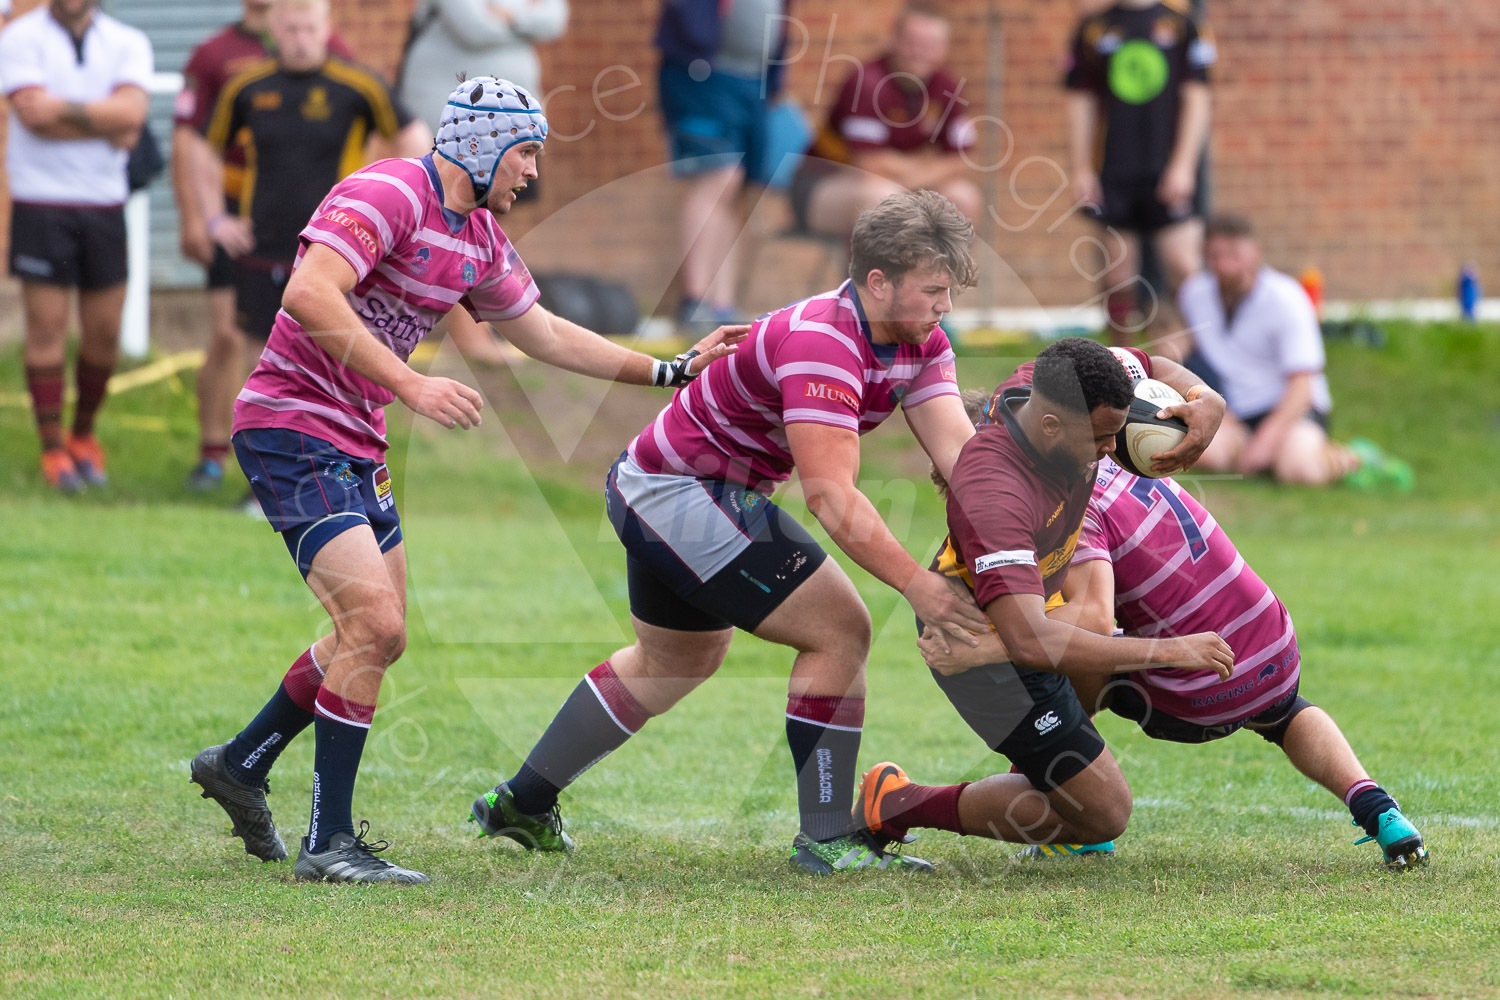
x: 311, y: 492
x: 714, y: 123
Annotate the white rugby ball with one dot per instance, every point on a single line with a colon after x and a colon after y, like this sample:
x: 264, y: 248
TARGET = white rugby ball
x: 1145, y: 434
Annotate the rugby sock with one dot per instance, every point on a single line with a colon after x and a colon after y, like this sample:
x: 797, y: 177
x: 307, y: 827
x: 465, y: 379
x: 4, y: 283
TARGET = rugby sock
x: 340, y: 726
x: 595, y: 721
x: 93, y: 382
x: 932, y: 806
x: 1367, y: 801
x: 823, y: 732
x: 216, y: 452
x: 45, y: 383
x: 290, y: 710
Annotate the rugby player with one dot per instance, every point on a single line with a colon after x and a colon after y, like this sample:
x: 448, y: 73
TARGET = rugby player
x: 390, y: 250
x: 1153, y: 559
x: 1016, y: 500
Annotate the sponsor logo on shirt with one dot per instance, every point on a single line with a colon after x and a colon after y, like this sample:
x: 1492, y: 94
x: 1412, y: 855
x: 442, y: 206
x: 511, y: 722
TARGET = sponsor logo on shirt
x: 265, y: 100
x: 1059, y: 558
x: 315, y: 107
x: 948, y: 374
x: 401, y: 327
x: 1047, y: 723
x: 1056, y: 512
x: 1004, y: 557
x: 832, y: 393
x: 420, y: 261
x: 383, y: 493
x: 366, y: 239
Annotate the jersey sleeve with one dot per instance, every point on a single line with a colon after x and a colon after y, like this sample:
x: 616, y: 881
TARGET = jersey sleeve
x: 20, y: 62
x: 227, y: 117
x: 856, y: 116
x: 958, y: 134
x: 1093, y: 542
x: 1084, y: 69
x: 993, y: 522
x: 1299, y: 342
x: 507, y: 292
x: 363, y: 221
x: 820, y: 380
x: 939, y: 375
x: 194, y: 102
x: 1201, y: 51
x: 136, y: 62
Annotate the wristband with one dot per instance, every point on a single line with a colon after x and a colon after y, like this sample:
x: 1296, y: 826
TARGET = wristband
x: 674, y: 373
x: 215, y: 222
x: 1194, y: 392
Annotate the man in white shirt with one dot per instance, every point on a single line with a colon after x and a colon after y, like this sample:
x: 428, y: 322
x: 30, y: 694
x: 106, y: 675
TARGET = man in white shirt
x: 1256, y: 327
x: 76, y: 80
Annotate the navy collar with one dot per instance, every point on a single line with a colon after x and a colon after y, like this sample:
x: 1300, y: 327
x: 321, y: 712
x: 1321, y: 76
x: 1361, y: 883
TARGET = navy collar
x: 454, y: 220
x: 1020, y: 394
x: 884, y: 353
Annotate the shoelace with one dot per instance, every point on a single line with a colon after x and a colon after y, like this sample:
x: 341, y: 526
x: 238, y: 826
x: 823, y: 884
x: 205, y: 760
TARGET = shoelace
x: 368, y: 848
x: 554, y: 822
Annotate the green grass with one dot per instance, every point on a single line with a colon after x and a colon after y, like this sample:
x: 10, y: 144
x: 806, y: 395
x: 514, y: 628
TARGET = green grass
x: 142, y: 623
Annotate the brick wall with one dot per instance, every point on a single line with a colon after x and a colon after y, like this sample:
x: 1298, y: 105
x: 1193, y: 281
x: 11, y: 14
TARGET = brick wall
x: 1363, y: 137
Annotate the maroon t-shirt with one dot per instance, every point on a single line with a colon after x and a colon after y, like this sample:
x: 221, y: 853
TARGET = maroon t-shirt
x: 878, y: 108
x: 1013, y: 519
x: 214, y: 63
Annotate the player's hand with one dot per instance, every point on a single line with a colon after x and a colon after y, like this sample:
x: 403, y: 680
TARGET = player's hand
x: 947, y: 660
x: 1200, y: 651
x: 952, y: 616
x: 1175, y: 190
x: 233, y: 234
x: 1202, y: 416
x: 197, y: 245
x: 450, y: 403
x: 1087, y: 188
x: 723, y: 341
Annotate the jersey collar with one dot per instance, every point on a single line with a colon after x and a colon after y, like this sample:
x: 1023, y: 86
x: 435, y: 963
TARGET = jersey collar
x: 454, y: 220
x: 884, y: 353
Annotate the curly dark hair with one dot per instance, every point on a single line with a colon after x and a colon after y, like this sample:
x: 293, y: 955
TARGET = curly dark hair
x: 1080, y: 375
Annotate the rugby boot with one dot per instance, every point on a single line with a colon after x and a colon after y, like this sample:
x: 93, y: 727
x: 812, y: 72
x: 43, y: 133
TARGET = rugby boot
x: 1104, y: 850
x: 350, y: 858
x: 874, y: 785
x: 497, y: 816
x: 60, y: 472
x: 88, y: 459
x: 245, y: 804
x: 850, y: 853
x: 1398, y: 840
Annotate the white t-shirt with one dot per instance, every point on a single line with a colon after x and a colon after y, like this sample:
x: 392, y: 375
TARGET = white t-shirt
x: 35, y: 50
x: 1274, y: 335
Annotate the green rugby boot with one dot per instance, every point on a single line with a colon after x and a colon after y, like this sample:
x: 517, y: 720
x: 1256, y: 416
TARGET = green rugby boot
x: 497, y: 816
x: 1399, y: 841
x: 848, y: 853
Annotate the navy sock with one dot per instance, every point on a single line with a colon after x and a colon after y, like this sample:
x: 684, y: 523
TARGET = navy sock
x: 1367, y: 805
x: 823, y: 733
x: 251, y: 753
x: 596, y: 720
x: 340, y: 727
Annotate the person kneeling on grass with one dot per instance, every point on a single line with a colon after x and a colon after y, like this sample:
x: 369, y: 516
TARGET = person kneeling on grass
x: 1152, y: 557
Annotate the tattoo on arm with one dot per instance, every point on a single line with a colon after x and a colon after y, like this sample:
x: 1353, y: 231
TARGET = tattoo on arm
x: 77, y: 115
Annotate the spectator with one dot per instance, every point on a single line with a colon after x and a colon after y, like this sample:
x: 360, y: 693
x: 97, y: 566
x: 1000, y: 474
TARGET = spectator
x: 213, y: 64
x: 718, y: 76
x: 77, y: 80
x: 303, y: 113
x: 896, y: 126
x: 1255, y: 326
x: 473, y: 37
x: 1139, y: 71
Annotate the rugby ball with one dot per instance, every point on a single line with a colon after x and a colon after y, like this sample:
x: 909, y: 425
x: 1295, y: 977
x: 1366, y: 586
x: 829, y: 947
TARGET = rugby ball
x: 1145, y: 434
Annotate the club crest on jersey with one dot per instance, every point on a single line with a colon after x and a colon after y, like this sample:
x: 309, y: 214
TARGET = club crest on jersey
x: 471, y: 274
x: 344, y: 474
x: 898, y: 393
x: 420, y: 261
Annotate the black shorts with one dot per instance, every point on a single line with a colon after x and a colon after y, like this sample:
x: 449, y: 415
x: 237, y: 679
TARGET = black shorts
x: 702, y: 554
x: 72, y: 246
x: 258, y: 288
x: 1030, y: 716
x: 1131, y: 204
x: 1128, y: 702
x: 221, y: 270
x: 1316, y: 416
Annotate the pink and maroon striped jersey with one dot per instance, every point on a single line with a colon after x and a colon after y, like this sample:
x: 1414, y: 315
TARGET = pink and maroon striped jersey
x: 811, y: 361
x: 414, y: 261
x: 1176, y: 573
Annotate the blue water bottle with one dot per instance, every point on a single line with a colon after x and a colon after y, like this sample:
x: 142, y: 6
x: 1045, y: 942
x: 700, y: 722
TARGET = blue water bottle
x: 1468, y: 291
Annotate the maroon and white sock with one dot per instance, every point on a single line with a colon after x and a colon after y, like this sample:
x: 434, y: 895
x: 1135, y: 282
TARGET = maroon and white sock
x: 303, y: 680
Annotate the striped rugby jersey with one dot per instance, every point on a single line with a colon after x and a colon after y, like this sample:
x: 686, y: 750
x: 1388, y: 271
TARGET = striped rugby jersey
x: 812, y: 362
x: 414, y: 261
x: 1176, y: 573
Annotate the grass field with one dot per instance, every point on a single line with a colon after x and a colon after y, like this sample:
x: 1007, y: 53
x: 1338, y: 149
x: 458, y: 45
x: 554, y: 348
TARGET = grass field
x: 141, y: 624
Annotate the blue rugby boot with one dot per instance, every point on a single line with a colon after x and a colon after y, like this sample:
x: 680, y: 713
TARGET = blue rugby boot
x: 1398, y: 839
x: 1104, y: 850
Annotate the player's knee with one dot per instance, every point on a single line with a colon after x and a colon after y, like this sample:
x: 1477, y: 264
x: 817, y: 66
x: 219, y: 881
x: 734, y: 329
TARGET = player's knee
x: 381, y: 629
x: 1108, y: 818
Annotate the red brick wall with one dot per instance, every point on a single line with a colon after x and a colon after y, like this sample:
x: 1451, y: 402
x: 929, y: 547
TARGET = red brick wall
x: 1362, y: 136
